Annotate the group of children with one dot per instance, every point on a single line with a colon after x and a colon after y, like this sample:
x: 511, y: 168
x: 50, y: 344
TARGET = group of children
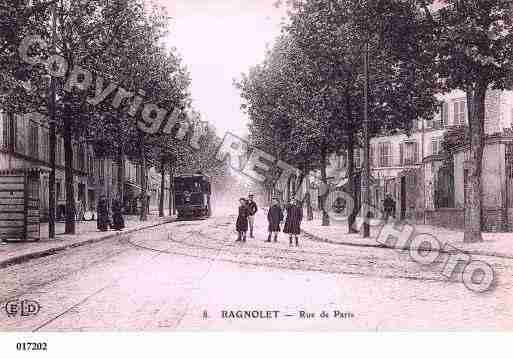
x: 246, y: 218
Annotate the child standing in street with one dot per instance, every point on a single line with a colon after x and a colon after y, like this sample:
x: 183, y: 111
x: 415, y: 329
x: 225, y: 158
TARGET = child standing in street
x: 274, y: 217
x: 293, y: 221
x: 242, y: 220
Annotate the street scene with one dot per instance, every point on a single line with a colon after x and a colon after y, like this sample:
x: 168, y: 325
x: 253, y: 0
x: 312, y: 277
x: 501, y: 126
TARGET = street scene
x: 312, y: 165
x: 168, y: 277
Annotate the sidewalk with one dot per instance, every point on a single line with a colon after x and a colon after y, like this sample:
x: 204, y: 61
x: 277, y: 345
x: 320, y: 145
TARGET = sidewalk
x: 17, y: 252
x: 494, y: 244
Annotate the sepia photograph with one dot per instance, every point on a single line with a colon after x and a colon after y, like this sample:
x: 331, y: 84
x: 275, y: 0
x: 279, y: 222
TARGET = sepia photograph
x: 254, y: 166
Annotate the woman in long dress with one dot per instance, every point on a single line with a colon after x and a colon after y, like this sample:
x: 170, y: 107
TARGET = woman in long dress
x: 241, y: 226
x: 118, y: 222
x: 293, y: 221
x: 274, y: 217
x: 103, y: 221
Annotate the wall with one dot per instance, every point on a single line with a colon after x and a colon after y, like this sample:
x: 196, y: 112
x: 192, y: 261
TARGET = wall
x: 452, y: 218
x: 492, y: 175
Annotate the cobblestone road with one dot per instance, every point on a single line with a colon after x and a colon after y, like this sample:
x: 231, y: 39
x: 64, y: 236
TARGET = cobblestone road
x: 183, y: 275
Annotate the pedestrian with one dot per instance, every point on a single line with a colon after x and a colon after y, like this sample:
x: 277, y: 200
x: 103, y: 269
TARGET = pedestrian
x: 274, y: 217
x: 293, y: 221
x: 118, y: 223
x: 242, y: 220
x: 80, y: 209
x: 253, y: 208
x: 389, y: 207
x: 103, y: 220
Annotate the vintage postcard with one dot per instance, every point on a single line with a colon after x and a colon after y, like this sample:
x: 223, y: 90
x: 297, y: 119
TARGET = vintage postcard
x: 255, y: 166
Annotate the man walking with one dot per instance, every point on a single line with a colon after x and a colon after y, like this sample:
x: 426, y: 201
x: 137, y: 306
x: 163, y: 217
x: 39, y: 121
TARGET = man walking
x: 389, y: 207
x: 253, y: 208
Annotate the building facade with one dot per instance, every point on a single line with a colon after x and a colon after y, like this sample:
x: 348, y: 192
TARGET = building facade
x: 427, y: 184
x: 24, y: 143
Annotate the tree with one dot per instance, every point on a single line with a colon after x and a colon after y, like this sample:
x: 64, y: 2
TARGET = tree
x: 311, y: 81
x: 472, y: 42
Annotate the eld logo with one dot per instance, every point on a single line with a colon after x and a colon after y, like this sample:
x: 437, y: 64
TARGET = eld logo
x: 22, y: 308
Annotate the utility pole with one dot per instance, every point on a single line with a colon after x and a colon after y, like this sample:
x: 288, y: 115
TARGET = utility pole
x: 51, y: 108
x: 366, y: 137
x: 423, y: 168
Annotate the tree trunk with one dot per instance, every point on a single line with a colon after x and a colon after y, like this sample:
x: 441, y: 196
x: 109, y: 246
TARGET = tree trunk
x: 308, y: 196
x: 162, y: 188
x: 350, y: 183
x: 365, y: 190
x: 68, y: 175
x: 172, y: 207
x: 289, y: 190
x: 52, y: 119
x: 51, y: 182
x: 268, y: 192
x: 121, y: 174
x: 144, y: 184
x: 324, y: 196
x: 473, y: 206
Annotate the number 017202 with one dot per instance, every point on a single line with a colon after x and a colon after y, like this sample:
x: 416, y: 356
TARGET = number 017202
x: 31, y: 346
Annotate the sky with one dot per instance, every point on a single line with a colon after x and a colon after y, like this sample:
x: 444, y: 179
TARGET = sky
x: 219, y: 40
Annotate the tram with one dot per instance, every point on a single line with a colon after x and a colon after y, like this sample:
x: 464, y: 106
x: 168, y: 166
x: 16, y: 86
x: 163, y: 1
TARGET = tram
x: 192, y: 196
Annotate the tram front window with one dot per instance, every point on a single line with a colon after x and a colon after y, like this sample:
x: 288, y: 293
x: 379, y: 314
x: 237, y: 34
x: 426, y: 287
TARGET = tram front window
x: 182, y: 185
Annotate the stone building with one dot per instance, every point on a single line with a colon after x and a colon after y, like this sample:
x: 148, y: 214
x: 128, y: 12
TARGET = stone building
x: 429, y: 186
x: 24, y: 143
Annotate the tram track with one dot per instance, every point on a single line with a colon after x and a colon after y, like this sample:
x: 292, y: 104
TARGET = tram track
x: 270, y: 260
x: 103, y: 288
x: 196, y: 243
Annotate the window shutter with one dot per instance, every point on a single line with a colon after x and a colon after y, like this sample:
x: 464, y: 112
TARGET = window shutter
x: 415, y: 153
x: 457, y: 120
x: 371, y: 155
x: 445, y: 114
x: 19, y: 134
x: 390, y: 154
x: 2, y: 131
x: 47, y: 145
x: 401, y: 154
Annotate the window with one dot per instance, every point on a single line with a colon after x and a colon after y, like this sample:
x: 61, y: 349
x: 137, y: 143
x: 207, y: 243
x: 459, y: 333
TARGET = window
x: 59, y: 151
x: 114, y: 173
x: 390, y: 187
x: 357, y: 158
x: 101, y: 168
x: 33, y: 140
x: 90, y: 163
x: 437, y: 121
x: 5, y: 130
x: 385, y: 154
x: 460, y: 112
x: 138, y: 178
x: 81, y: 158
x: 2, y: 132
x: 436, y: 145
x: 372, y: 152
x: 19, y: 134
x: 409, y: 153
x: 45, y: 145
x: 58, y: 194
x: 444, y: 114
